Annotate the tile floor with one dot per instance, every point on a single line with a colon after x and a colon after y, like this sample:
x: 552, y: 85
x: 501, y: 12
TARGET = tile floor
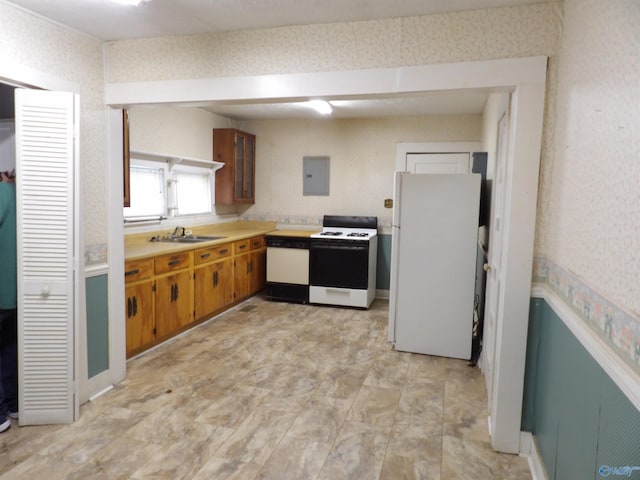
x: 275, y: 391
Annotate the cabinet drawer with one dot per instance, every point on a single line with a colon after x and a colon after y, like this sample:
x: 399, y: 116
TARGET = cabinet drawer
x: 135, y: 270
x: 175, y: 261
x: 209, y: 254
x: 241, y: 246
x: 256, y: 242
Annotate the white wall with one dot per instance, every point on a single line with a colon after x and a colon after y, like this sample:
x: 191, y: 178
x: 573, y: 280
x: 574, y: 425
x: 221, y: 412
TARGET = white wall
x: 182, y: 132
x: 175, y: 131
x: 362, y: 151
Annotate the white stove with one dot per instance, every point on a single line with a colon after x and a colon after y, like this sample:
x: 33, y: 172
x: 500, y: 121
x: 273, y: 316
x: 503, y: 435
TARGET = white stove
x: 343, y: 260
x: 346, y: 233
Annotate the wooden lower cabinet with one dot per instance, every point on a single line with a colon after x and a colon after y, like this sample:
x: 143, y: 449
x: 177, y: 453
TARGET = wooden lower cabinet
x: 167, y: 293
x: 241, y: 276
x: 258, y: 270
x: 173, y: 303
x: 213, y: 287
x: 139, y: 305
x: 249, y: 275
x: 140, y: 319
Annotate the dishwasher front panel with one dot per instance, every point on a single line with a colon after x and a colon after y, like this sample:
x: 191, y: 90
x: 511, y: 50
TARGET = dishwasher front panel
x: 288, y: 265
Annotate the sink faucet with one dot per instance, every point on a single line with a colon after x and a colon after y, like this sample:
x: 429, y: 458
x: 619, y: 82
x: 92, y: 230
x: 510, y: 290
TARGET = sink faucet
x: 177, y: 229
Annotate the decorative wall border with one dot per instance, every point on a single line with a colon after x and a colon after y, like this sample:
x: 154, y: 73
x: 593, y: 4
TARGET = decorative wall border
x: 616, y: 329
x: 311, y: 221
x: 95, y: 254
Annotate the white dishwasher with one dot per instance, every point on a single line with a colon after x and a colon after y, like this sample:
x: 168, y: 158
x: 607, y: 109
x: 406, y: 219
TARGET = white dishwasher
x: 287, y: 268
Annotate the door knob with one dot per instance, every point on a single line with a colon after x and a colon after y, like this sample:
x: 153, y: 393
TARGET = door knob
x: 486, y: 267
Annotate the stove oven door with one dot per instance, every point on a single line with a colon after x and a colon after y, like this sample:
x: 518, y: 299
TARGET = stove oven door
x: 339, y: 263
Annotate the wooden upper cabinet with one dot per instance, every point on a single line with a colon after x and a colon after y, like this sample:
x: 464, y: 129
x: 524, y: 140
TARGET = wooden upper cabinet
x: 235, y: 182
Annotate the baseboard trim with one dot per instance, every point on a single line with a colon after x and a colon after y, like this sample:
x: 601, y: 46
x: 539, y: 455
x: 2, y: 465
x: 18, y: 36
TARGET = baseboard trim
x: 96, y: 386
x: 529, y: 449
x: 382, y: 294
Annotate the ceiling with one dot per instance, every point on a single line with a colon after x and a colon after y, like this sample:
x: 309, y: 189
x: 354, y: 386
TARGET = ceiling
x: 108, y: 20
x: 457, y: 103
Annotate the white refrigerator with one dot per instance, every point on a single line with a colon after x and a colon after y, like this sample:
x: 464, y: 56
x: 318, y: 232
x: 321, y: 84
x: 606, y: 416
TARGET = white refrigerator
x: 433, y: 263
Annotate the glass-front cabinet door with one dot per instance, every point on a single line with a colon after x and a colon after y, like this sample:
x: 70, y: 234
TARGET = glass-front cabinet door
x: 240, y: 170
x: 235, y: 182
x: 249, y: 171
x: 245, y: 168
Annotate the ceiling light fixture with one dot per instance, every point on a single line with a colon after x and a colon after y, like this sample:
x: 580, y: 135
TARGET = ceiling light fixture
x: 320, y: 106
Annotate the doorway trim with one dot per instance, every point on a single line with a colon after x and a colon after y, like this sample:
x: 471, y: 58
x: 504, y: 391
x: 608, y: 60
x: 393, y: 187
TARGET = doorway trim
x: 524, y: 77
x: 405, y: 148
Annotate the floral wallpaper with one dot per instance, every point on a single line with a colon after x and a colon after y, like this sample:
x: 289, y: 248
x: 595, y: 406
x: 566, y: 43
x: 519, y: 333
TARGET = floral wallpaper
x: 27, y: 42
x: 589, y: 215
x: 520, y: 31
x: 588, y: 224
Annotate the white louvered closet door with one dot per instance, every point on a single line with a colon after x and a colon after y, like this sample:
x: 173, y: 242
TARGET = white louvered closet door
x: 48, y: 255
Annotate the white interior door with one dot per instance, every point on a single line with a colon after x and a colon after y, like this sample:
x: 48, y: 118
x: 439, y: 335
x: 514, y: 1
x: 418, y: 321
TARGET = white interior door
x: 438, y: 162
x: 494, y: 259
x: 49, y: 258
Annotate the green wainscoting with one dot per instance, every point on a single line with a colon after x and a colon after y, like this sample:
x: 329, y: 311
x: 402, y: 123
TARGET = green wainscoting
x: 383, y: 278
x: 97, y: 324
x: 579, y: 417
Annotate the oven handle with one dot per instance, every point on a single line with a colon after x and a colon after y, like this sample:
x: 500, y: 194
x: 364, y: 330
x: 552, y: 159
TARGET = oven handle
x: 332, y: 245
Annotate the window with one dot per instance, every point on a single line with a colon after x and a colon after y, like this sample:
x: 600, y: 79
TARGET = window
x: 193, y: 193
x: 160, y: 189
x: 147, y: 192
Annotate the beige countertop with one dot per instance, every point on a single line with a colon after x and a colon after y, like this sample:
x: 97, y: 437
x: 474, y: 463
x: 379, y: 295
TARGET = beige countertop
x: 137, y: 246
x: 293, y: 233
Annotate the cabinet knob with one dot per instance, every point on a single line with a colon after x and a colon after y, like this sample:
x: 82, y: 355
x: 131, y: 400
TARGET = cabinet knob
x: 486, y: 267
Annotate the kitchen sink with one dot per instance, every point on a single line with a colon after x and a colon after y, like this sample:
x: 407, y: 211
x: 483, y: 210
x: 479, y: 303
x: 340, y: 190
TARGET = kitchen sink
x: 186, y: 239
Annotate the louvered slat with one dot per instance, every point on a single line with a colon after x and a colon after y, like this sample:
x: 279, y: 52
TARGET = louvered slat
x: 45, y: 174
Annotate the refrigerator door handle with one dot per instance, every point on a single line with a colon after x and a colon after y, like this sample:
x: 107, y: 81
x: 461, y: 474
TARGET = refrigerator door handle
x: 395, y: 213
x: 395, y: 256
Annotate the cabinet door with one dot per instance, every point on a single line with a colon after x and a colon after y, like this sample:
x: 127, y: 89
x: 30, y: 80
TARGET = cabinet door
x: 224, y: 287
x: 241, y: 266
x: 249, y: 171
x: 244, y: 168
x: 257, y: 270
x: 172, y: 303
x: 139, y: 315
x: 235, y: 183
x: 239, y: 188
x: 213, y: 284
